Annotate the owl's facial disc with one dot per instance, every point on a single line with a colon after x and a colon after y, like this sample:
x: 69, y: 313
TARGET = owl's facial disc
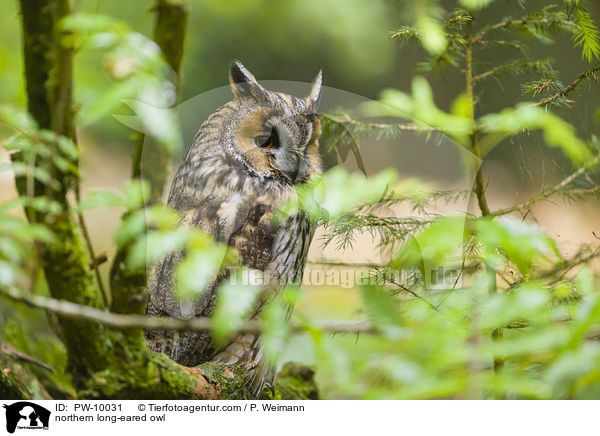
x: 274, y: 134
x: 273, y: 144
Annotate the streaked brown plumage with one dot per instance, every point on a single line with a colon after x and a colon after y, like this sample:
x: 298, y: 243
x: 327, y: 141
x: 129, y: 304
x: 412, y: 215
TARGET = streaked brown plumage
x: 244, y: 162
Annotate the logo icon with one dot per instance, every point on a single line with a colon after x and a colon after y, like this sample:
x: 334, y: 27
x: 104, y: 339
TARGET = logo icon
x: 26, y: 415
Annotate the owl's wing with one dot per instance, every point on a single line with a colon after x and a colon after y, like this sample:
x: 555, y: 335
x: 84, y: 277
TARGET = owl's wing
x: 245, y: 226
x: 286, y: 265
x: 279, y: 251
x: 187, y: 347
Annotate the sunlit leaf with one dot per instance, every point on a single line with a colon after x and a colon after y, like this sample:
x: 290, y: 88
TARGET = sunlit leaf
x: 383, y: 310
x: 197, y: 270
x: 235, y: 301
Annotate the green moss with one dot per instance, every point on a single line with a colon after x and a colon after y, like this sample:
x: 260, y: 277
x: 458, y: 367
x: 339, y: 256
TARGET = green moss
x: 17, y: 382
x: 28, y: 331
x: 296, y: 382
x: 230, y: 379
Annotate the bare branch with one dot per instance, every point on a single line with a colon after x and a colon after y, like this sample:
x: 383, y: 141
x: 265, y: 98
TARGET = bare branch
x: 12, y: 351
x: 70, y: 310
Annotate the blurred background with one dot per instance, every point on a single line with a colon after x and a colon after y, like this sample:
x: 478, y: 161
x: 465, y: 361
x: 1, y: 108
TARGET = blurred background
x: 350, y: 40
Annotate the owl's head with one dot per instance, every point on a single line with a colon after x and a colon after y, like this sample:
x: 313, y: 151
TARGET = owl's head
x: 274, y: 135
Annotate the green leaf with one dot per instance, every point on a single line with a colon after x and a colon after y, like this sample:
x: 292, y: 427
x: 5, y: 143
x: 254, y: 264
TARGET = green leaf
x: 427, y: 18
x: 338, y: 192
x: 140, y: 72
x: 557, y: 133
x: 156, y: 245
x: 109, y: 100
x: 90, y: 23
x: 527, y: 302
x: 17, y: 118
x: 439, y: 244
x: 524, y: 244
x: 572, y: 370
x: 235, y: 301
x: 68, y: 147
x: 275, y: 329
x: 420, y: 107
x: 8, y: 273
x: 101, y: 198
x: 135, y: 193
x: 197, y: 270
x: 383, y: 310
x: 131, y: 227
x: 476, y: 4
x: 162, y: 217
x: 21, y: 169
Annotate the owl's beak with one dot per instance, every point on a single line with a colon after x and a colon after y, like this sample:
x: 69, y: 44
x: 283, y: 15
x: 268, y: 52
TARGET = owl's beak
x: 289, y: 164
x: 294, y: 174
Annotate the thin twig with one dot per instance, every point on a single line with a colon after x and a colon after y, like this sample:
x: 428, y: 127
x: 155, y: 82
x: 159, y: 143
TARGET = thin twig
x: 88, y: 242
x: 12, y: 351
x: 563, y: 268
x: 479, y: 181
x: 340, y: 264
x: 548, y: 192
x: 406, y: 289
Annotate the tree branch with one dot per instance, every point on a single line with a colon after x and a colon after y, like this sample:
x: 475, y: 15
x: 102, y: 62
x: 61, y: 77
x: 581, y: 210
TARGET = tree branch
x: 12, y: 351
x: 17, y: 382
x: 551, y: 191
x: 75, y: 311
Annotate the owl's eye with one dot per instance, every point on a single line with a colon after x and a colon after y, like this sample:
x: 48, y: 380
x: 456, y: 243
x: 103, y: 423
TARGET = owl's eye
x: 267, y: 141
x: 263, y: 141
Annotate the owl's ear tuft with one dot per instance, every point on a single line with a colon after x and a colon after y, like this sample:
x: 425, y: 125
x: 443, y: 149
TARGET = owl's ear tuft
x: 243, y: 83
x: 314, y: 97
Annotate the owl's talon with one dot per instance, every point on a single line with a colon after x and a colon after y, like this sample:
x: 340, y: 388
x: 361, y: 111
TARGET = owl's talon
x: 271, y: 388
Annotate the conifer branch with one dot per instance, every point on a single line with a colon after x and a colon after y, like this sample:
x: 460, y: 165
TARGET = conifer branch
x: 544, y: 17
x: 551, y: 191
x: 571, y: 87
x: 517, y: 67
x: 346, y: 118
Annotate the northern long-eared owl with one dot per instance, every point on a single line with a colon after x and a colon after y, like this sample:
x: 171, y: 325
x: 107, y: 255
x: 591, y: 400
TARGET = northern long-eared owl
x: 244, y: 162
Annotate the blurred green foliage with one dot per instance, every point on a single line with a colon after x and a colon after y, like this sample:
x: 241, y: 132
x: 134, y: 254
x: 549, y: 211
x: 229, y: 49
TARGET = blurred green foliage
x: 519, y: 320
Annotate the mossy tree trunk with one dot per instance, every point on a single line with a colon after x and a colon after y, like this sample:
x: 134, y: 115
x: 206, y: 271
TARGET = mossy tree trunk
x: 104, y: 363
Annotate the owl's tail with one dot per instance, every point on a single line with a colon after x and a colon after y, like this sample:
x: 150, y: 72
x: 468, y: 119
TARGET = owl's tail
x: 246, y: 350
x: 261, y: 376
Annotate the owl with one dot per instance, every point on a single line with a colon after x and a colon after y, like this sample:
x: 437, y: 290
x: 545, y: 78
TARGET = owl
x: 246, y: 160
